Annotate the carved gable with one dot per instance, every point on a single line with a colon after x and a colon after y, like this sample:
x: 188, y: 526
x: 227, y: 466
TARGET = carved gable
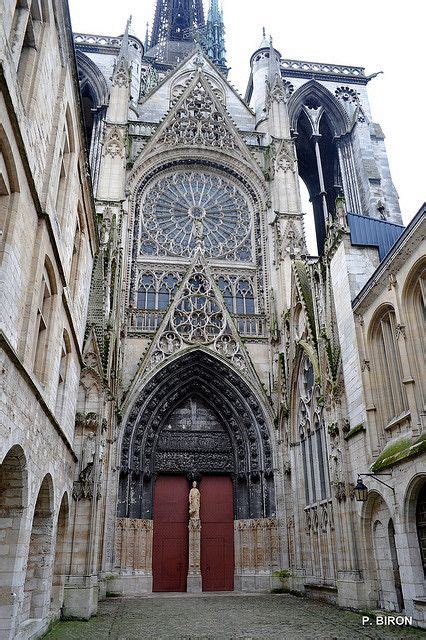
x: 198, y: 120
x: 197, y: 317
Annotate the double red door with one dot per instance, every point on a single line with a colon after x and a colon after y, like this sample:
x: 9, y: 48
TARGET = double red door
x: 170, y: 548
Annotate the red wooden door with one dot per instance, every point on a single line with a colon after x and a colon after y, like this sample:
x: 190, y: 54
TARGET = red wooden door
x: 217, y: 533
x: 170, y: 545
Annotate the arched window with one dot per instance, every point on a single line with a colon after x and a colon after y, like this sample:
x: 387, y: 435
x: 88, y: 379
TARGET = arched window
x: 8, y: 181
x: 244, y: 298
x: 419, y: 306
x: 416, y: 314
x: 88, y: 104
x: 76, y: 252
x: 147, y: 292
x: 238, y: 295
x: 318, y: 165
x: 43, y: 319
x: 156, y: 291
x: 226, y: 290
x: 26, y: 36
x: 421, y: 524
x: 320, y: 122
x: 166, y: 291
x: 63, y: 370
x: 390, y: 390
x: 312, y: 438
x: 65, y: 164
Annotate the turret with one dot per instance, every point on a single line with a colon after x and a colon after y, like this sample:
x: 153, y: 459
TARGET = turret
x: 113, y: 163
x: 259, y: 63
x: 276, y: 97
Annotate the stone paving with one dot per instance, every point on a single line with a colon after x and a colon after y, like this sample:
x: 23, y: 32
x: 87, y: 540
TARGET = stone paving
x: 223, y: 617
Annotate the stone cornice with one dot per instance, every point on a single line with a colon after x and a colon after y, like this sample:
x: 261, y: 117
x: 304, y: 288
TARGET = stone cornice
x: 103, y: 44
x: 323, y: 71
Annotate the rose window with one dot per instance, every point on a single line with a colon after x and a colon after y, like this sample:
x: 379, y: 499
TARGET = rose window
x: 187, y: 209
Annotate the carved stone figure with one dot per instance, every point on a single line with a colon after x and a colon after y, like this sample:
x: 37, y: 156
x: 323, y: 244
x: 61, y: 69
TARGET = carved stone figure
x: 88, y: 456
x: 194, y: 502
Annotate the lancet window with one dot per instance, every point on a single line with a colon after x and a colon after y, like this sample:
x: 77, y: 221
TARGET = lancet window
x: 238, y: 294
x: 156, y: 291
x: 390, y: 390
x: 312, y: 436
x: 43, y: 320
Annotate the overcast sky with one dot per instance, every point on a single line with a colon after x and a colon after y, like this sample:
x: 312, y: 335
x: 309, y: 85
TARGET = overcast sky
x: 380, y: 35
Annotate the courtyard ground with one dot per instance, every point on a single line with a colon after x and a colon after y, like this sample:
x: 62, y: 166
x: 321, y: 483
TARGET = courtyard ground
x: 223, y: 617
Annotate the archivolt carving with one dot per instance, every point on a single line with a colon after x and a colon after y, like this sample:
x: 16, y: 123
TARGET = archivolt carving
x: 231, y: 436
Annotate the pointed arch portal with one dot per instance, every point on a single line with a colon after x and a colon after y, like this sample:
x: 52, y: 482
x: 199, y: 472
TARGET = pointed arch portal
x: 196, y: 416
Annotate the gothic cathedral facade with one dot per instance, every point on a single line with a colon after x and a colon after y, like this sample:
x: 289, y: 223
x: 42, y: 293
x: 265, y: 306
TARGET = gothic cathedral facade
x: 163, y: 323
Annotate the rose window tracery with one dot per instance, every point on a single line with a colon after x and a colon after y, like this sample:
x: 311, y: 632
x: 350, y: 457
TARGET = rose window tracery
x: 183, y: 210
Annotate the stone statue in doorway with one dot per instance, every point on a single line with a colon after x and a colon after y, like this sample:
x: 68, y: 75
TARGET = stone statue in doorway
x: 194, y: 502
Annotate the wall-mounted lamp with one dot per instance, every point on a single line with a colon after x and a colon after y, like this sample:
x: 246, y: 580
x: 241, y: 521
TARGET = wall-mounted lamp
x: 361, y: 491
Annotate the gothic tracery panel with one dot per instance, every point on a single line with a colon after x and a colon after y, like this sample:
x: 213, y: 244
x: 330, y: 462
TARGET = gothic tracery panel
x: 312, y: 437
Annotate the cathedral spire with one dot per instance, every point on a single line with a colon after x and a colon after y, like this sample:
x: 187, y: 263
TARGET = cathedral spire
x: 215, y: 36
x: 176, y: 21
x: 146, y: 43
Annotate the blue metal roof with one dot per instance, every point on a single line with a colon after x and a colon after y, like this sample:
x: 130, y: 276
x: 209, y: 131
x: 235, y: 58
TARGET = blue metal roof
x: 370, y: 232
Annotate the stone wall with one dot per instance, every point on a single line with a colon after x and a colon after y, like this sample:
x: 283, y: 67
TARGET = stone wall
x: 48, y: 239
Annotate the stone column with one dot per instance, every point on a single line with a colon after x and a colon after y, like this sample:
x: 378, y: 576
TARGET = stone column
x: 194, y: 584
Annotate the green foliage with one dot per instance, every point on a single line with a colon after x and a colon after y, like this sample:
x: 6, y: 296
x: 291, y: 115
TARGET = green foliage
x: 398, y: 451
x: 357, y: 429
x: 283, y: 575
x: 305, y: 290
x: 312, y: 355
x: 268, y: 156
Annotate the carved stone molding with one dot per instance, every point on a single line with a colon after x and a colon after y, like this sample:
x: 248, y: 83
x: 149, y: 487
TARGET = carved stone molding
x: 256, y: 545
x: 114, y: 143
x: 198, y: 121
x: 121, y: 76
x: 133, y: 544
x: 319, y: 518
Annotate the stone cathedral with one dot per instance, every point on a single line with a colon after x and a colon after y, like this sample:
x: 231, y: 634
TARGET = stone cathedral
x: 163, y: 324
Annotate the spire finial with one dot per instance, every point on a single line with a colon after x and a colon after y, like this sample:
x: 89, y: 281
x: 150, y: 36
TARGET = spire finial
x: 264, y: 32
x: 125, y: 39
x: 146, y: 44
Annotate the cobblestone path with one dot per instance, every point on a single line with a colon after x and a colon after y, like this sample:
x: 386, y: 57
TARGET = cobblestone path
x: 223, y: 617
